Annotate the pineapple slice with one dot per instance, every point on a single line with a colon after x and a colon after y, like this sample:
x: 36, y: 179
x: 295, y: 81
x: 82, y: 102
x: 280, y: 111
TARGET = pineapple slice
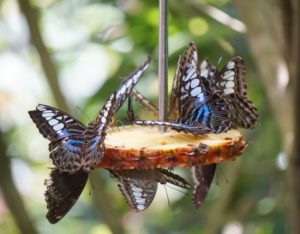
x: 140, y: 147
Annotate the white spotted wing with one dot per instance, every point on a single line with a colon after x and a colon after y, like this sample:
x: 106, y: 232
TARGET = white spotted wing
x: 190, y: 57
x: 231, y: 82
x: 139, y: 186
x: 65, y: 133
x: 231, y: 78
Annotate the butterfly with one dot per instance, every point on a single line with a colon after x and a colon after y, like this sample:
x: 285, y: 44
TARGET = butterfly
x: 75, y: 148
x: 230, y: 103
x: 70, y: 148
x: 139, y: 186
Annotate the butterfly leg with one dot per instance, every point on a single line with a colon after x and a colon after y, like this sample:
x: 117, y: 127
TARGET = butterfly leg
x: 130, y: 112
x: 144, y: 102
x: 167, y: 176
x: 198, y: 129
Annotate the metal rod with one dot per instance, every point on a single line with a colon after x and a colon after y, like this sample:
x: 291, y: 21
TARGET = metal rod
x: 163, y: 61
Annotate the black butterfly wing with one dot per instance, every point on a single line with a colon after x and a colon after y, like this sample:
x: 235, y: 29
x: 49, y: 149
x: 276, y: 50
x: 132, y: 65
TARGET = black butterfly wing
x: 173, y: 111
x: 245, y: 114
x: 202, y: 176
x: 63, y: 190
x: 231, y: 81
x: 65, y: 134
x: 137, y: 186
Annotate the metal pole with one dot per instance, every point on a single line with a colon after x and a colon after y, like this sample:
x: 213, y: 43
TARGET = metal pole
x: 163, y: 61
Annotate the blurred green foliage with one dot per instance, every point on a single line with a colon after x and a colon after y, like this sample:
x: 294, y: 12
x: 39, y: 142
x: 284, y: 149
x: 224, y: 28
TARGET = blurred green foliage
x: 126, y: 32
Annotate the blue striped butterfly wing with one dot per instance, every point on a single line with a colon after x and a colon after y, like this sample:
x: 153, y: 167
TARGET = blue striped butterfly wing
x: 95, y: 134
x: 65, y: 134
x: 200, y: 104
x: 55, y: 124
x: 63, y: 190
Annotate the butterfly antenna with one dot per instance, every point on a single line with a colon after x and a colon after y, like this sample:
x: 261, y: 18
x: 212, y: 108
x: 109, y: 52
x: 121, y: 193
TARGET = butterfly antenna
x: 91, y: 181
x: 82, y: 112
x: 118, y: 121
x: 219, y: 60
x: 121, y: 123
x: 169, y: 204
x: 176, y: 189
x: 223, y: 174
